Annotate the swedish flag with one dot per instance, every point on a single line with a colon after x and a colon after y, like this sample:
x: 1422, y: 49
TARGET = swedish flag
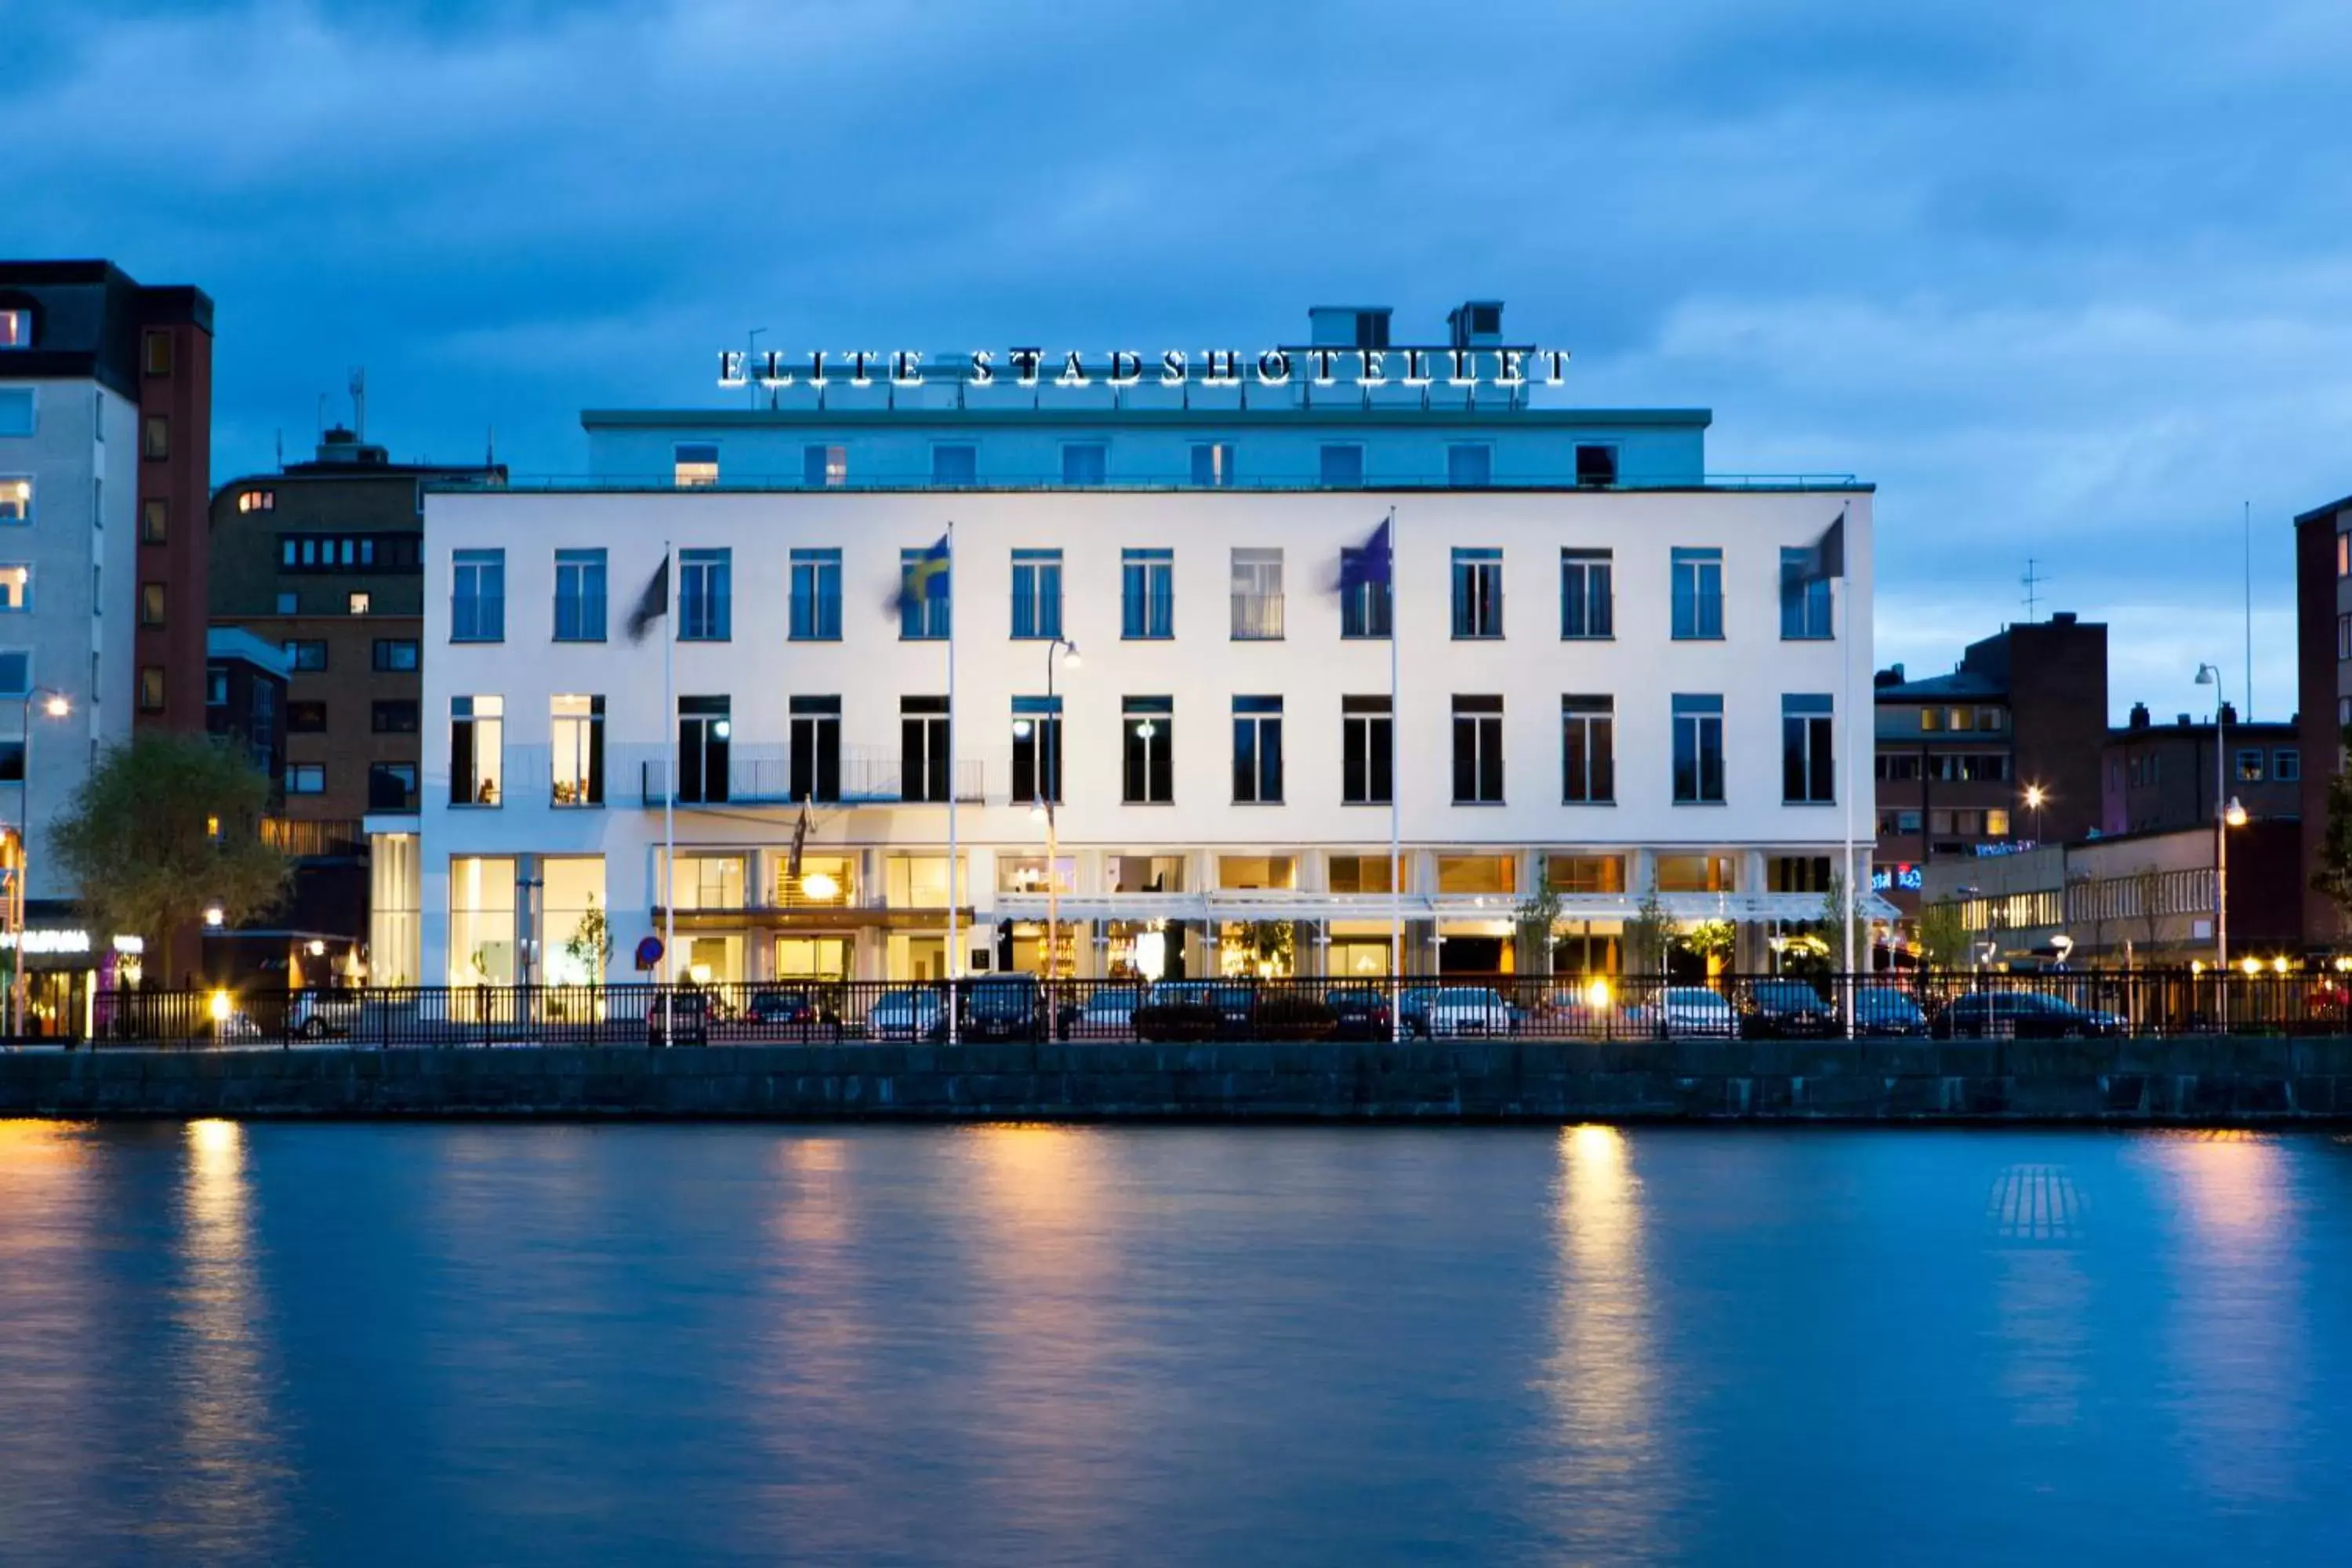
x: 925, y: 576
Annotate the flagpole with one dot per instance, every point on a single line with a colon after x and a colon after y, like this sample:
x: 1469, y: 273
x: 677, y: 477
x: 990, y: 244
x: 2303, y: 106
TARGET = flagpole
x: 1848, y: 879
x: 955, y: 946
x: 1396, y: 818
x: 669, y: 798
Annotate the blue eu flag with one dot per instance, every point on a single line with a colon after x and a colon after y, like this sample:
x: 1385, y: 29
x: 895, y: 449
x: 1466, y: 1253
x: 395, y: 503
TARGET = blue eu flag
x: 1372, y: 565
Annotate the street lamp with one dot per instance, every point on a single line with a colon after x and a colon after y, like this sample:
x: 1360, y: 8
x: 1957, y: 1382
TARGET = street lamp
x: 2035, y: 796
x: 2227, y: 814
x: 1046, y: 784
x: 57, y: 705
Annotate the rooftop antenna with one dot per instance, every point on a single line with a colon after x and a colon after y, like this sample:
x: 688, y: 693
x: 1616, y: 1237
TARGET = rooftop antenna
x: 2249, y: 529
x: 322, y: 416
x: 2033, y: 581
x: 490, y: 448
x: 359, y: 401
x: 281, y: 446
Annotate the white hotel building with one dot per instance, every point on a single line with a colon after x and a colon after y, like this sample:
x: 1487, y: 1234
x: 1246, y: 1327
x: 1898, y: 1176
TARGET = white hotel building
x: 1610, y: 681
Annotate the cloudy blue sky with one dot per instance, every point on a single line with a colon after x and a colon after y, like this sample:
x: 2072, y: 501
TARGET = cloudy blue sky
x: 2066, y: 281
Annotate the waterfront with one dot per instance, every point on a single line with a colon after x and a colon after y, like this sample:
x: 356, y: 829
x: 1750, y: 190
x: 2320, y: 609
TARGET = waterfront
x: 554, y: 1344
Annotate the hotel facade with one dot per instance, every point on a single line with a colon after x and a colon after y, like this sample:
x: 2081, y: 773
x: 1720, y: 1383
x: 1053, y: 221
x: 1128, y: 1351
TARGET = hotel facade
x: 1614, y: 677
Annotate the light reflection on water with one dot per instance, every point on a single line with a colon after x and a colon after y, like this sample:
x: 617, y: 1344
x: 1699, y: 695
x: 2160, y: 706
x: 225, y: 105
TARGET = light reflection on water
x: 1021, y: 1345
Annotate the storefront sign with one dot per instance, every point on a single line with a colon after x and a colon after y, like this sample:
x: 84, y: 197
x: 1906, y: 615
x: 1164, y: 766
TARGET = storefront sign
x: 52, y: 940
x: 1884, y: 878
x: 1412, y: 367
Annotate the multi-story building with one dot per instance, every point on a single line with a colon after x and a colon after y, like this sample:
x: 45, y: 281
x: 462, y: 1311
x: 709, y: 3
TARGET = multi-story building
x: 2002, y: 752
x: 1614, y: 679
x: 105, y: 462
x: 2159, y: 777
x: 244, y: 696
x: 2323, y: 643
x: 322, y: 560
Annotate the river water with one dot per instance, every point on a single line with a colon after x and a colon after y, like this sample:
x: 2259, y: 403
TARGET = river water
x: 558, y: 1344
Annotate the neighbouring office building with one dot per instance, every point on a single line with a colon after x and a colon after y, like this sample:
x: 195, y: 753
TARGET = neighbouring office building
x: 2165, y: 776
x: 1615, y: 678
x: 323, y: 559
x: 2323, y: 643
x: 105, y: 462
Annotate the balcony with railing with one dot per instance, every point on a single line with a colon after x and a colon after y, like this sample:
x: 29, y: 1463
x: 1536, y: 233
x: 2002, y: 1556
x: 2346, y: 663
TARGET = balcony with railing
x: 306, y: 839
x: 854, y: 776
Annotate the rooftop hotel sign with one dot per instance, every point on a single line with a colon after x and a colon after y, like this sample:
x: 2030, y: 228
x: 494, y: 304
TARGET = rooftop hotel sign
x: 1169, y: 367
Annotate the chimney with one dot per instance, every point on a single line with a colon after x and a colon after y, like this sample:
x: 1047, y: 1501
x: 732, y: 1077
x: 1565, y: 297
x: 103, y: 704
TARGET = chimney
x: 2062, y: 618
x: 2229, y: 713
x: 2183, y: 721
x: 2140, y: 716
x: 1891, y: 676
x: 1474, y: 324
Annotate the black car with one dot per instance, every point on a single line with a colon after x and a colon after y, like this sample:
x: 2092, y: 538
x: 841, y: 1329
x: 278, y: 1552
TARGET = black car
x: 2021, y: 1015
x: 1008, y: 1008
x: 688, y: 1022
x: 793, y: 1013
x: 1785, y: 1009
x: 1362, y: 1015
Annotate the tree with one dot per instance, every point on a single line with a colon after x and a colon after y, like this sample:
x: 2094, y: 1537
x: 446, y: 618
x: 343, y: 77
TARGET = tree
x: 1269, y: 944
x: 1834, y: 912
x: 1943, y: 936
x: 1647, y: 936
x: 2331, y: 874
x: 1537, y: 917
x: 1712, y: 939
x: 590, y: 945
x: 163, y: 829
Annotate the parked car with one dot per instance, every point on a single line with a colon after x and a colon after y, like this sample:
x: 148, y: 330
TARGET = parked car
x: 2026, y: 1015
x: 1786, y: 1009
x: 1362, y: 1015
x: 1412, y: 1008
x: 678, y: 1018
x: 795, y: 1014
x: 1004, y: 1007
x: 1108, y: 1013
x: 1236, y: 1004
x: 1693, y: 1010
x: 907, y: 1013
x: 1882, y: 1010
x: 320, y: 1013
x: 1455, y: 1010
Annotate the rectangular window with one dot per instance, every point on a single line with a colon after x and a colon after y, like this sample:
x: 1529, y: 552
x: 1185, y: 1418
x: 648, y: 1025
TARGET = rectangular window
x: 1804, y: 602
x: 154, y: 523
x: 1588, y: 605
x: 694, y: 465
x: 156, y: 351
x: 579, y: 595
x: 1477, y: 594
x: 1147, y: 594
x: 1699, y: 750
x: 816, y: 748
x: 1143, y: 873
x: 395, y: 655
x: 15, y: 498
x: 17, y: 411
x: 478, y: 751
x: 1147, y: 737
x: 1588, y: 750
x: 306, y: 778
x: 2249, y: 764
x: 1084, y: 463
x: 1367, y: 609
x: 704, y: 595
x: 824, y: 467
x: 1036, y: 593
x: 1257, y: 594
x: 1697, y: 874
x: 392, y: 715
x: 1343, y: 465
x: 1257, y: 750
x: 156, y: 440
x: 1470, y: 466
x: 923, y: 618
x: 2344, y: 636
x: 306, y: 654
x: 1212, y: 464
x: 923, y: 748
x: 1477, y: 750
x: 150, y: 689
x: 1585, y: 873
x: 1996, y: 823
x: 2343, y: 555
x: 816, y: 595
x: 2286, y: 763
x: 477, y: 596
x: 702, y: 881
x: 217, y: 687
x: 302, y: 718
x: 1808, y: 764
x: 392, y: 786
x: 955, y: 463
x: 706, y: 739
x: 1476, y: 875
x: 1698, y: 594
x: 16, y: 672
x: 16, y: 330
x: 1596, y: 464
x: 1367, y: 750
x: 16, y: 589
x: 1246, y: 873
x: 1360, y: 874
x: 358, y: 604
x: 1037, y: 749
x: 578, y: 728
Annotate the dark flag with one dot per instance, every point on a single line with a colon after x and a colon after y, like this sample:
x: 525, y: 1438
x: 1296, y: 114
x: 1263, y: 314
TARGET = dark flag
x: 800, y: 839
x: 652, y: 603
x: 1825, y: 557
x: 1372, y: 565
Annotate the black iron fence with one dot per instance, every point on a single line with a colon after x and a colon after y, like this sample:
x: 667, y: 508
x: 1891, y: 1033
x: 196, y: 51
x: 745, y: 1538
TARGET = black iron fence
x: 1957, y: 1005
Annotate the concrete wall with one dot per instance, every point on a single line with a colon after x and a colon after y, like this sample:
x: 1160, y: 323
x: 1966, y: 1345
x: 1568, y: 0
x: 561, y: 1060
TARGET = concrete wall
x: 2202, y: 1081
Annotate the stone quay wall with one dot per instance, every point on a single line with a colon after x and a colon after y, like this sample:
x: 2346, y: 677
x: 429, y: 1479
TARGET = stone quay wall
x: 2217, y: 1081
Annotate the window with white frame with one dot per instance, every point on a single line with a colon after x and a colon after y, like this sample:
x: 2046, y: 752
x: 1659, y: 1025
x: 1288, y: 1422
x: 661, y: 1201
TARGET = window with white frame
x: 477, y: 750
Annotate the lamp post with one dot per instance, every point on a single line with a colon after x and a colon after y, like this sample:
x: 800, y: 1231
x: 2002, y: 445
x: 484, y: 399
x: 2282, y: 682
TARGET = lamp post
x: 2227, y: 814
x: 1047, y: 783
x: 56, y: 704
x: 2035, y: 796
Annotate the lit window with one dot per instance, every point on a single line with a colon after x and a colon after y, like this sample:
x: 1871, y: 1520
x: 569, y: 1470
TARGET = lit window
x: 16, y: 588
x: 357, y: 604
x: 151, y: 603
x: 158, y: 350
x: 1997, y: 822
x: 15, y: 329
x: 477, y: 748
x: 1213, y: 465
x: 150, y: 689
x: 694, y: 466
x: 154, y: 518
x: 2343, y: 555
x: 258, y: 500
x: 824, y: 466
x: 15, y: 498
x: 157, y: 441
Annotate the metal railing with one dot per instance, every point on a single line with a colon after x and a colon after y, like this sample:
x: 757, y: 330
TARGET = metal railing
x: 855, y: 776
x: 1955, y: 1006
